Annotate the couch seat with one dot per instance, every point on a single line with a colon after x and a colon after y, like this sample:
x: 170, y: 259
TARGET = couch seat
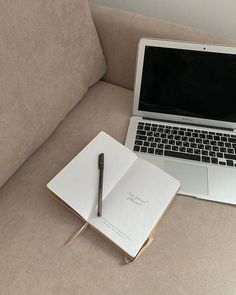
x: 194, y: 248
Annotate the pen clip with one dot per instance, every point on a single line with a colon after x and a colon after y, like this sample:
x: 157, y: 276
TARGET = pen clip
x: 101, y: 161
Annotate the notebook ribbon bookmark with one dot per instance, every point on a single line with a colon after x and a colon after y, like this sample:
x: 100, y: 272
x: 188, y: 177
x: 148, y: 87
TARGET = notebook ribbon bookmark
x: 76, y: 234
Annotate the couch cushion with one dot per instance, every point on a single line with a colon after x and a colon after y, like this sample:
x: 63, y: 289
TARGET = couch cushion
x: 49, y: 56
x: 193, y: 251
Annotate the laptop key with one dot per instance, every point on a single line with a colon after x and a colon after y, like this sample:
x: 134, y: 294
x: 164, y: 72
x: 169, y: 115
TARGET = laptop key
x: 182, y: 149
x: 223, y: 150
x: 214, y: 160
x: 182, y: 155
x: 205, y: 159
x: 140, y: 127
x: 230, y: 156
x: 164, y: 140
x: 170, y: 136
x: 158, y: 152
x: 178, y: 142
x: 215, y: 148
x: 143, y: 149
x: 141, y: 132
x: 167, y: 147
x: 230, y: 151
x: 138, y: 142
x: 151, y: 150
x: 151, y: 138
x: 193, y: 145
x: 206, y: 141
x: 230, y: 163
x: 141, y: 137
x: 136, y: 148
x: 228, y: 144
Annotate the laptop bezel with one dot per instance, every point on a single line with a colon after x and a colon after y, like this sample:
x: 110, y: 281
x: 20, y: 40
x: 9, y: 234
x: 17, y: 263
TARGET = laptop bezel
x: 179, y: 45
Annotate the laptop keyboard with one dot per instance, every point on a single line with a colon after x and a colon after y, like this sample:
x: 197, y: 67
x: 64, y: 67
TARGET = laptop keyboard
x: 186, y: 143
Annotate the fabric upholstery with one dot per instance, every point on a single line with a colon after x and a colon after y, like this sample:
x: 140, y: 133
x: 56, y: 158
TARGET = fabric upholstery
x: 119, y: 33
x: 49, y: 56
x: 194, y: 247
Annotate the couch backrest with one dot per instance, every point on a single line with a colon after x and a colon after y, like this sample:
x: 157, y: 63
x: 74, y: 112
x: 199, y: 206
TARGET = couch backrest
x: 119, y: 32
x: 49, y: 55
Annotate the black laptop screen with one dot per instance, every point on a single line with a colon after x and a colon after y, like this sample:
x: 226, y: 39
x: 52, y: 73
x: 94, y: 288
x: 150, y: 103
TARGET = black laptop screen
x: 189, y: 83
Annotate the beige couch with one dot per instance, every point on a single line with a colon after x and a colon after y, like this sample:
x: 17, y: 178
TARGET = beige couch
x: 61, y: 82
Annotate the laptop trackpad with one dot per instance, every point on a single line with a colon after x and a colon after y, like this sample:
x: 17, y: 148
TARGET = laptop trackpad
x: 193, y: 178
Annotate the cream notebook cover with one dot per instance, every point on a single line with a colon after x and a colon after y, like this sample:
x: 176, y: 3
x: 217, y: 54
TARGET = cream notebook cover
x: 135, y: 192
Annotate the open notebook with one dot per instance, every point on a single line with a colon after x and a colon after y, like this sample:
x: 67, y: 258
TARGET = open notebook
x: 135, y: 192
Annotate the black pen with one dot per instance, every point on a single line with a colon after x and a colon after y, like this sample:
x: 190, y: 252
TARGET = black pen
x: 100, y: 188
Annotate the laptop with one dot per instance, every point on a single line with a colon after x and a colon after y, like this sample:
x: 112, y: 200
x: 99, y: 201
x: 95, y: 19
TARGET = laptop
x: 184, y: 115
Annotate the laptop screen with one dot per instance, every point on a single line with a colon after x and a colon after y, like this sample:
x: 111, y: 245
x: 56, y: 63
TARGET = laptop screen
x: 189, y: 83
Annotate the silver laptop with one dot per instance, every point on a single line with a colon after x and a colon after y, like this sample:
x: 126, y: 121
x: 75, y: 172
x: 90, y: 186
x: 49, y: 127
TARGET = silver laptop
x: 184, y: 115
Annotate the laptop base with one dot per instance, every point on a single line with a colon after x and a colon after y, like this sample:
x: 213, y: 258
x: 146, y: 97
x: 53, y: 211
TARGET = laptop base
x: 201, y: 180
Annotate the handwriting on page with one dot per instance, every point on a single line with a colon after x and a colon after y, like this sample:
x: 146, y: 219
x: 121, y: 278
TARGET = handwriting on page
x: 136, y: 199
